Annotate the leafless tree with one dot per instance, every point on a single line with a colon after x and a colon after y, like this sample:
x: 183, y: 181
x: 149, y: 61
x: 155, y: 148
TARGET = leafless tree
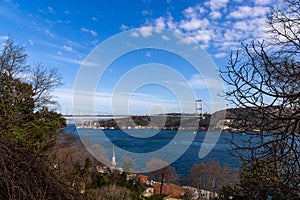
x: 12, y: 59
x: 72, y: 162
x: 161, y: 171
x: 13, y: 65
x: 127, y: 164
x: 43, y: 82
x: 212, y: 176
x: 263, y: 80
x: 111, y: 192
x: 25, y: 175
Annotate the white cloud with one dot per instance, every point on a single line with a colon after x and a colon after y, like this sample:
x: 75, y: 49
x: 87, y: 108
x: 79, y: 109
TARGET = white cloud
x: 48, y: 44
x: 189, y: 12
x: 217, y: 4
x: 170, y: 23
x: 212, y: 24
x: 220, y: 55
x: 95, y: 42
x: 124, y: 27
x: 4, y: 37
x: 241, y: 25
x: 147, y: 12
x: 228, y: 45
x: 134, y: 34
x: 187, y: 40
x: 160, y: 22
x: 40, y: 11
x: 67, y: 60
x: 138, y: 102
x: 148, y: 54
x: 203, y: 36
x: 95, y: 19
x: 146, y: 31
x: 53, y: 22
x: 59, y: 53
x: 233, y: 34
x: 198, y: 82
x: 165, y: 37
x: 215, y: 15
x: 193, y: 12
x: 250, y: 28
x: 193, y: 24
x: 67, y: 12
x: 92, y: 32
x: 31, y: 42
x: 262, y: 2
x: 200, y: 36
x: 48, y: 33
x: 68, y: 48
x: 249, y: 12
x: 51, y: 10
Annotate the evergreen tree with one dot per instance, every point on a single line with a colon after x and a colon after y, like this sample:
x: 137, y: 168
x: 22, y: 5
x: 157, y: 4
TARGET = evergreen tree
x: 27, y: 128
x: 24, y: 113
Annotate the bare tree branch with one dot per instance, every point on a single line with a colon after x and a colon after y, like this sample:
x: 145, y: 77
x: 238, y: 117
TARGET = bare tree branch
x: 264, y: 82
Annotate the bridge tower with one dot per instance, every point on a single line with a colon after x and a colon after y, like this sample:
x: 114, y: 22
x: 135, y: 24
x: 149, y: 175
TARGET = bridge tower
x: 198, y: 107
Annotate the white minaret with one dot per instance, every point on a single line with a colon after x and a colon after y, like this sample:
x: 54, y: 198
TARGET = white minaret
x: 113, y: 159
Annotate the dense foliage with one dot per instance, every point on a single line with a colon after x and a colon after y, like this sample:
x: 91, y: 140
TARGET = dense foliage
x: 24, y: 174
x: 28, y: 129
x: 23, y: 88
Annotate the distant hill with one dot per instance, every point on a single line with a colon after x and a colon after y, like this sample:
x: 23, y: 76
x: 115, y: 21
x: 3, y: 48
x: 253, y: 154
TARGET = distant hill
x: 235, y: 119
x: 172, y: 121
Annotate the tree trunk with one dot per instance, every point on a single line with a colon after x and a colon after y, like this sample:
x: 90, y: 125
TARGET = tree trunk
x: 161, y: 183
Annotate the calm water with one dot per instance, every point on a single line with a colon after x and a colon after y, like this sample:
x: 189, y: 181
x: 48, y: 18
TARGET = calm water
x: 144, y: 141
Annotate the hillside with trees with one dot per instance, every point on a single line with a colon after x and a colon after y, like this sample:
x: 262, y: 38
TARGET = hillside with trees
x: 28, y: 129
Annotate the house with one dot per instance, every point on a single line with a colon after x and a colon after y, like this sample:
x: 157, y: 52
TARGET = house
x: 102, y: 169
x: 139, y: 178
x: 142, y: 179
x: 148, y: 192
x: 203, y: 194
x: 169, y: 189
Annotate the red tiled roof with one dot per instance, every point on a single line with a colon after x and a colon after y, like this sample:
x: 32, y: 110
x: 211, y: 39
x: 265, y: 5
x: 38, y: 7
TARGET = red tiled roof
x: 169, y: 189
x: 142, y: 178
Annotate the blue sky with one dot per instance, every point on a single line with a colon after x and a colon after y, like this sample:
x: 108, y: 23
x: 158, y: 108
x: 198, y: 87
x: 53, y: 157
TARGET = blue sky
x: 62, y: 33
